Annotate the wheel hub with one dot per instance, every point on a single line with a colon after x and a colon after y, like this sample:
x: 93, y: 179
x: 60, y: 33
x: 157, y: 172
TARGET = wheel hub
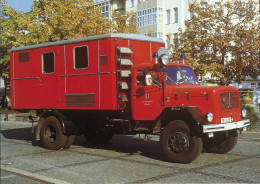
x: 178, y: 142
x: 50, y: 134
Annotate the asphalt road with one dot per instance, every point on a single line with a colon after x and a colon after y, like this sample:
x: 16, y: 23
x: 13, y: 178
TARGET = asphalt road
x: 125, y: 159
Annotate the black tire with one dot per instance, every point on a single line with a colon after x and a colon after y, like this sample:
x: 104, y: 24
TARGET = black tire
x: 51, y: 134
x: 222, y: 142
x: 69, y: 141
x: 177, y: 144
x: 98, y: 136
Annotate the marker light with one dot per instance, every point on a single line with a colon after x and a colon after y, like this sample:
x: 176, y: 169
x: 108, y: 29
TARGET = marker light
x: 244, y: 113
x: 155, y: 55
x: 183, y: 57
x: 164, y: 59
x: 209, y: 117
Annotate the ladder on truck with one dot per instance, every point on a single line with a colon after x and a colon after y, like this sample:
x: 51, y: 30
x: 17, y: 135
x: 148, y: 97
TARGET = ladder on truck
x: 123, y: 74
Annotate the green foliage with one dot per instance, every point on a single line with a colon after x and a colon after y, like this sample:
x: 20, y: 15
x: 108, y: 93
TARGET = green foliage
x: 53, y: 20
x: 252, y: 115
x: 222, y: 39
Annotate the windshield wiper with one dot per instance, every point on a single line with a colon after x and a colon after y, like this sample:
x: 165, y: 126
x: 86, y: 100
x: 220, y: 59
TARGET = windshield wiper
x: 171, y: 80
x: 186, y: 78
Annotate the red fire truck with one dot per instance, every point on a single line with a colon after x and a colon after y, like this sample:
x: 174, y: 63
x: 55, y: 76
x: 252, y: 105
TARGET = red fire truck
x: 122, y: 84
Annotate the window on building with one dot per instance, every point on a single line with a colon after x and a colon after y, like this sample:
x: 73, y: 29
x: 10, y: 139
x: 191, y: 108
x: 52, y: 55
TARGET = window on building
x: 48, y: 62
x: 176, y: 41
x: 247, y: 5
x: 168, y: 42
x: 146, y: 17
x: 81, y: 57
x: 105, y: 8
x: 168, y: 12
x: 155, y: 35
x: 191, y: 15
x: 204, y: 5
x: 175, y: 15
x: 217, y: 5
x: 132, y: 3
x: 154, y: 15
x: 24, y: 57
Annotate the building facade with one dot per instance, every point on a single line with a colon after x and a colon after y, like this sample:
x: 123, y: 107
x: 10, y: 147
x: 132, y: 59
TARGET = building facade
x: 159, y: 18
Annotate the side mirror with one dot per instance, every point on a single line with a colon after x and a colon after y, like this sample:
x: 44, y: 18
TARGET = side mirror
x: 148, y: 80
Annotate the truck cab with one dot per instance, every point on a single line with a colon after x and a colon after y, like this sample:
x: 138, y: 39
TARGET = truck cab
x: 190, y: 117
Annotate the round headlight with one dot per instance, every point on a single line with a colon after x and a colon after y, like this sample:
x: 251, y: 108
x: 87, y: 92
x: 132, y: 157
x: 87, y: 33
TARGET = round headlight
x: 209, y: 117
x: 244, y: 113
x: 164, y: 59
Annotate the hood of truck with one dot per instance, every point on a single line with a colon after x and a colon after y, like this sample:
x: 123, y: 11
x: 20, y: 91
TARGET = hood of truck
x: 207, y: 99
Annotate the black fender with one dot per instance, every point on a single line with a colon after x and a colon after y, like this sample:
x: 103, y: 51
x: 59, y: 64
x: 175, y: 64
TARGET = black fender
x: 68, y: 127
x: 192, y: 115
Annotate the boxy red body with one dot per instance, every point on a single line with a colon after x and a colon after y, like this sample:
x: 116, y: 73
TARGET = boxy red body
x: 32, y: 89
x: 103, y: 81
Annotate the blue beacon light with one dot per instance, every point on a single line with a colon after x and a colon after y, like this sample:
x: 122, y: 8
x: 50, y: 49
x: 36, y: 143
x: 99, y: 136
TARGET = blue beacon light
x: 156, y: 56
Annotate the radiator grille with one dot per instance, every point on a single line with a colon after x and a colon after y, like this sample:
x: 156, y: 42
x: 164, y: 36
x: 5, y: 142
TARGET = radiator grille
x: 229, y: 100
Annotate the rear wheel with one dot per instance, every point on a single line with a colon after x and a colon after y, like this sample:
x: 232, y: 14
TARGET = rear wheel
x: 222, y: 142
x: 178, y: 145
x: 51, y: 134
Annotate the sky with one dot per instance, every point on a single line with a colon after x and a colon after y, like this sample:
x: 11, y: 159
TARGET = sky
x: 20, y: 5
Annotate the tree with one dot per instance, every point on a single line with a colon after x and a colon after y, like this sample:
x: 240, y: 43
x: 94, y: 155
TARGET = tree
x: 222, y: 39
x: 124, y: 23
x: 53, y: 20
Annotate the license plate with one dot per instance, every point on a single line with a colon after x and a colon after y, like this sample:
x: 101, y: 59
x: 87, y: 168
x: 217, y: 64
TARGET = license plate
x: 226, y: 120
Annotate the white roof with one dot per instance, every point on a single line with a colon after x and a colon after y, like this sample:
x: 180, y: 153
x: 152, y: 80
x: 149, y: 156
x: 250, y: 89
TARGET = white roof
x: 128, y: 36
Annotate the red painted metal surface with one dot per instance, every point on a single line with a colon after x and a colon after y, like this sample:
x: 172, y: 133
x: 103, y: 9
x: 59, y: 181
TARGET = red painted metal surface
x: 32, y: 89
x: 96, y: 87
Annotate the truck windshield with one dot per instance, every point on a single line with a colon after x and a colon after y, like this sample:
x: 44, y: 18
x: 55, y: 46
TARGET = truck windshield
x: 178, y: 75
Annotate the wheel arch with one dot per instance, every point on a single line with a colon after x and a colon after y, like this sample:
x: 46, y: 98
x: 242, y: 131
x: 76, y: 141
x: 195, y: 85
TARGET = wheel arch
x: 192, y: 115
x: 67, y: 126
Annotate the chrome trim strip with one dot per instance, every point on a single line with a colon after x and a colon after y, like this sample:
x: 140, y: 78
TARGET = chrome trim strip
x: 151, y: 55
x: 65, y: 81
x: 98, y: 78
x: 81, y: 94
x: 226, y: 126
x: 13, y: 81
x: 25, y: 78
x: 71, y: 75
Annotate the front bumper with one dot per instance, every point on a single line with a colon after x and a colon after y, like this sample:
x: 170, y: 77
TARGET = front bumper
x: 227, y: 126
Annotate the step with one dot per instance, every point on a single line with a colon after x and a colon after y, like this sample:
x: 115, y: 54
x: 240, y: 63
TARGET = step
x: 125, y: 73
x: 124, y: 98
x: 123, y: 85
x: 125, y: 50
x: 126, y: 61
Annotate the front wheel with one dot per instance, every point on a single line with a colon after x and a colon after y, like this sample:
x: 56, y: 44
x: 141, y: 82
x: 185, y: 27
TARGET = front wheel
x: 178, y: 145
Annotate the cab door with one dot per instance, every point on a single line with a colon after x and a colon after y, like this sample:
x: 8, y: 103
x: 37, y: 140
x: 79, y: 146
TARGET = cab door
x: 146, y: 99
